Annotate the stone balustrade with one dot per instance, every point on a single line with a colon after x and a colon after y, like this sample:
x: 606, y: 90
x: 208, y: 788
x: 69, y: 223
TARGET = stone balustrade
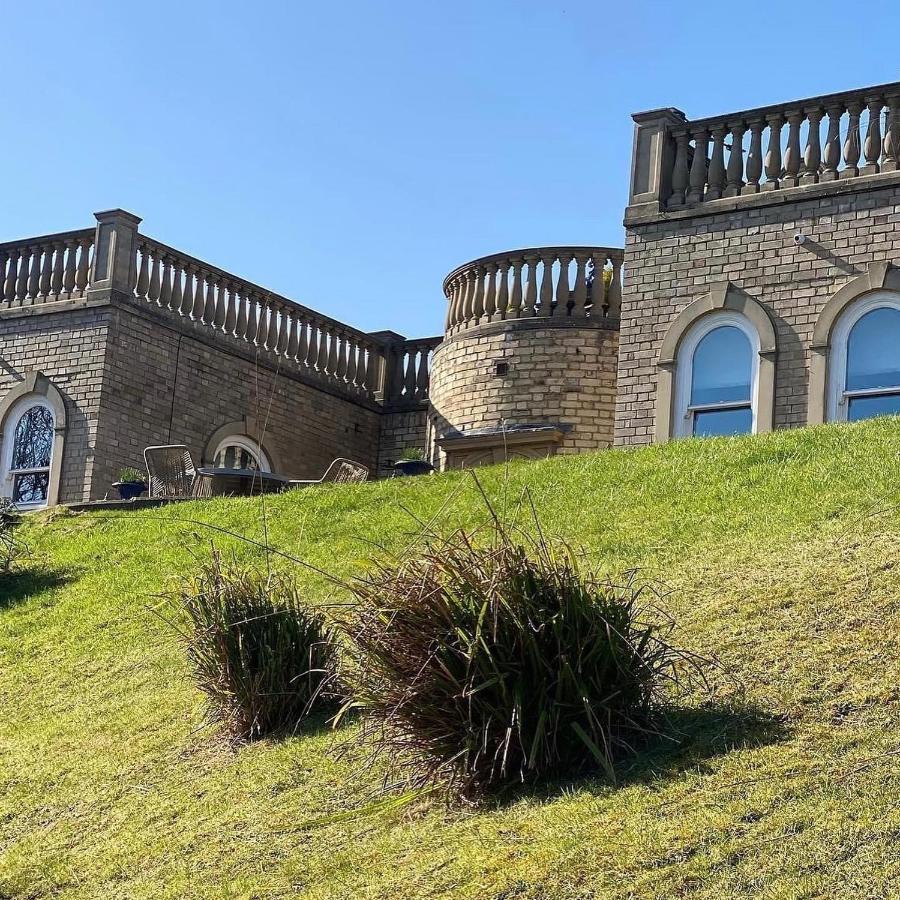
x: 681, y: 164
x: 409, y: 369
x: 45, y: 269
x: 554, y: 282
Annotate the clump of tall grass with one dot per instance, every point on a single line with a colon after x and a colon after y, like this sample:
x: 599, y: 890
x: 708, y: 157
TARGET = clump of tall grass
x: 264, y: 660
x: 11, y: 548
x: 484, y: 665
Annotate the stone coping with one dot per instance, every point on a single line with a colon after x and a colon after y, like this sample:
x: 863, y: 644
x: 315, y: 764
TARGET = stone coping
x: 513, y: 435
x: 534, y: 323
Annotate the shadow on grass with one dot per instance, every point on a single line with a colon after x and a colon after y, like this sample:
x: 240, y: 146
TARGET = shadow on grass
x: 22, y: 584
x: 689, y: 738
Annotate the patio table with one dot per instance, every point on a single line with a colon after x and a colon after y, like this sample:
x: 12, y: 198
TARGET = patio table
x: 213, y: 481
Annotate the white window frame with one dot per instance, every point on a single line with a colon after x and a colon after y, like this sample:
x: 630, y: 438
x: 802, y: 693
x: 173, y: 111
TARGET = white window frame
x: 683, y: 425
x: 245, y: 443
x: 7, y: 474
x: 838, y: 397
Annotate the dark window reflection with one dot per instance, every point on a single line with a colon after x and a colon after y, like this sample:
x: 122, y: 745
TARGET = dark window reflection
x: 722, y: 367
x: 718, y: 422
x: 232, y: 457
x: 33, y: 439
x: 873, y: 351
x: 31, y: 488
x: 879, y: 405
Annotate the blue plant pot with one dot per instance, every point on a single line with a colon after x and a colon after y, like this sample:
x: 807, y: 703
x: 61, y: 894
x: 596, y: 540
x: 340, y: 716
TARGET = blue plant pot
x: 128, y: 490
x: 413, y: 467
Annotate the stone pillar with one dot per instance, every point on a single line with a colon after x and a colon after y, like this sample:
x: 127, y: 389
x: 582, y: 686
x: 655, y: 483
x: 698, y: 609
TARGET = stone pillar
x: 115, y: 244
x: 653, y: 158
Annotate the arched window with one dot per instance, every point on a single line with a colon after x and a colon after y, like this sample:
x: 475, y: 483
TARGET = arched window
x: 28, y: 452
x: 716, y: 380
x: 240, y: 452
x: 864, y: 369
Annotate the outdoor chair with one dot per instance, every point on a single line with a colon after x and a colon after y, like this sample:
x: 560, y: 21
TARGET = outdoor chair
x: 341, y: 470
x: 171, y: 470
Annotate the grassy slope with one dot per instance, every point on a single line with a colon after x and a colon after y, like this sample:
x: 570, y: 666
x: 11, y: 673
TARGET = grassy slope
x: 780, y: 550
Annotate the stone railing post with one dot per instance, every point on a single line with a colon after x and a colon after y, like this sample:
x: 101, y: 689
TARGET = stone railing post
x: 653, y: 158
x: 115, y: 246
x: 387, y: 382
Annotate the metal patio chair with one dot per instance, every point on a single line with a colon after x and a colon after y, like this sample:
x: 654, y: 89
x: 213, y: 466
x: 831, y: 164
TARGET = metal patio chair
x: 171, y: 471
x: 341, y: 470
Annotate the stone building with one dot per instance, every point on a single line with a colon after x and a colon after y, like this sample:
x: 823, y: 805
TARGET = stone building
x: 756, y: 290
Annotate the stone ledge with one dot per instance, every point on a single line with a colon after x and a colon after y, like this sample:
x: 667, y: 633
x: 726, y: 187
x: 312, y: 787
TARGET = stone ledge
x: 533, y: 324
x: 635, y: 216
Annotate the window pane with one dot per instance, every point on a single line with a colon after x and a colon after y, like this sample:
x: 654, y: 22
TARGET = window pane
x: 232, y: 457
x: 716, y: 422
x: 879, y: 405
x: 31, y: 488
x: 722, y: 367
x: 33, y: 440
x: 873, y: 351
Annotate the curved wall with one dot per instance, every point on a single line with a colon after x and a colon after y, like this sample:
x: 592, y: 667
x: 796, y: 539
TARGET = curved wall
x: 559, y: 375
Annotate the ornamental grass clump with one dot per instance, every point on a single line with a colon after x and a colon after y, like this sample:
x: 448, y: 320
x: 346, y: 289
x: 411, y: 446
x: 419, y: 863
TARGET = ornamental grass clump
x: 484, y: 667
x: 263, y: 659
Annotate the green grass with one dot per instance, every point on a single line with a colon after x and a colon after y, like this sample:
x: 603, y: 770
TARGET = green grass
x: 780, y: 555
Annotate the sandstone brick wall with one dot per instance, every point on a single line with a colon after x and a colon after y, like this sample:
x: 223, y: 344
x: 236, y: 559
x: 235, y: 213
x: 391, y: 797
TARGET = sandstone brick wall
x: 564, y: 375
x: 671, y: 262
x: 67, y: 346
x: 175, y: 383
x: 399, y: 432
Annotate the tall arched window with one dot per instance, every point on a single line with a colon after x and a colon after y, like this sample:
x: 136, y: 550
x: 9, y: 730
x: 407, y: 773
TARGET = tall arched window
x: 716, y: 380
x: 864, y: 369
x: 27, y: 453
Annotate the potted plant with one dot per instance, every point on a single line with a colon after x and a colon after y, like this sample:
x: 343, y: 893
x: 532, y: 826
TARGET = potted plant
x: 131, y: 483
x: 412, y: 462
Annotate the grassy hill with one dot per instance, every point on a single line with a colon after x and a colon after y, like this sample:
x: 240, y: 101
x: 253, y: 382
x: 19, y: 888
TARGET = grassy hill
x: 779, y: 553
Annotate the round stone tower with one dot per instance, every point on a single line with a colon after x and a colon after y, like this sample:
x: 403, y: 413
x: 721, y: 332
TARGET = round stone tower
x: 528, y: 364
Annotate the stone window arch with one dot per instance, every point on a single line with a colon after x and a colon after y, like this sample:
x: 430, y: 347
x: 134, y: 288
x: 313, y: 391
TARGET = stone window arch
x: 831, y: 396
x: 32, y: 436
x: 725, y: 306
x: 238, y: 442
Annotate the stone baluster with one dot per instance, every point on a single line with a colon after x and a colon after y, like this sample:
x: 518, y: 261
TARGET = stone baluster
x: 312, y: 357
x: 301, y: 348
x: 716, y: 176
x: 579, y: 304
x: 208, y: 315
x: 374, y: 369
x: 340, y: 363
x: 176, y: 297
x: 831, y: 156
x: 84, y: 262
x: 409, y: 374
x: 562, y: 284
x: 531, y: 286
x: 773, y: 153
x: 25, y: 264
x: 352, y: 362
x: 792, y: 157
x: 221, y: 303
x: 468, y: 298
x: 490, y: 291
x: 613, y: 307
x: 735, y: 173
x: 4, y: 259
x: 34, y: 274
x: 454, y: 296
x: 423, y: 377
x: 143, y: 280
x: 812, y: 156
x: 546, y: 295
x: 231, y: 314
x: 598, y: 286
x: 680, y: 168
x: 754, y: 158
x: 478, y: 296
x: 187, y: 297
x: 165, y: 284
x: 891, y: 159
x: 69, y: 271
x: 264, y: 323
x: 322, y: 361
x: 242, y: 312
x: 697, y: 177
x: 503, y: 288
x: 515, y: 297
x: 153, y: 289
x: 199, y: 299
x: 57, y: 278
x: 852, y: 144
x: 872, y: 145
x: 9, y: 286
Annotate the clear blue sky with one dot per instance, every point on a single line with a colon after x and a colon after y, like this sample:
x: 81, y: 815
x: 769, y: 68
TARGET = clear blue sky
x: 350, y: 154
